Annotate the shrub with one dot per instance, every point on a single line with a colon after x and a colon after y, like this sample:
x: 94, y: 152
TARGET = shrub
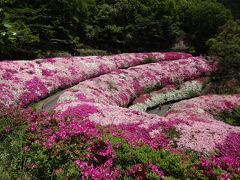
x: 42, y: 146
x: 231, y: 117
x: 201, y: 20
x: 226, y: 46
x: 16, y: 37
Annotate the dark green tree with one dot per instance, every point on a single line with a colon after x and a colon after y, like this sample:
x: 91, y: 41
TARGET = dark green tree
x: 226, y: 45
x: 29, y: 29
x: 16, y: 38
x: 59, y: 24
x: 133, y: 25
x: 234, y: 5
x: 201, y: 20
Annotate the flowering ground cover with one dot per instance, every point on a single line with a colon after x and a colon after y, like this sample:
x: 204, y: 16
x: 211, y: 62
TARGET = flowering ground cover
x: 52, y: 146
x: 120, y: 87
x: 200, y: 129
x: 189, y: 125
x: 92, y: 134
x: 42, y: 145
x: 172, y: 92
x: 24, y: 82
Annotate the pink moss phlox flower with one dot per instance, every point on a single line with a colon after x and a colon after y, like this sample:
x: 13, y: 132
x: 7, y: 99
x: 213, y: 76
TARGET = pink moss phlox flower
x: 119, y: 88
x: 225, y: 177
x: 139, y: 171
x: 200, y: 130
x: 29, y: 81
x: 137, y: 87
x: 34, y: 126
x: 82, y: 110
x: 47, y: 72
x: 141, y: 99
x: 35, y: 88
x: 104, y: 171
x: 25, y: 148
x: 231, y: 146
x: 229, y: 105
x: 155, y: 169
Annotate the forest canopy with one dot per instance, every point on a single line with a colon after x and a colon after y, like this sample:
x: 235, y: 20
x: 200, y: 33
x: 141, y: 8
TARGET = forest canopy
x: 41, y: 28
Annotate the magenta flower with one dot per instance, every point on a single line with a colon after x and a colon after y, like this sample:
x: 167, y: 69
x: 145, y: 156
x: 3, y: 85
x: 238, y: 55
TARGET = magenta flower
x: 29, y: 81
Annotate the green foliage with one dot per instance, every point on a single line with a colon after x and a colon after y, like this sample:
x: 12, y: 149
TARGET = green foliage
x: 231, y: 117
x: 92, y: 52
x: 148, y: 60
x: 201, y: 20
x: 132, y: 25
x: 55, y: 25
x: 40, y: 28
x: 226, y: 46
x: 234, y: 5
x: 12, y: 140
x: 173, y: 165
x: 15, y: 37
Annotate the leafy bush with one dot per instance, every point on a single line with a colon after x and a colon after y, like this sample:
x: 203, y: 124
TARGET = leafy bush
x: 226, y: 46
x: 43, y: 146
x: 201, y: 20
x: 15, y: 37
x: 234, y: 5
x: 231, y: 117
x: 42, y: 27
x: 133, y: 25
x: 37, y: 145
x: 55, y: 25
x: 12, y: 140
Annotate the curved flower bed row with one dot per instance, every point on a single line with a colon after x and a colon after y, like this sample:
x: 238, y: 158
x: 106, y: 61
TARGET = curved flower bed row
x: 120, y: 87
x: 200, y: 130
x: 24, y: 82
x: 90, y: 136
x: 173, y: 92
x: 60, y: 146
x: 194, y: 121
x: 99, y: 99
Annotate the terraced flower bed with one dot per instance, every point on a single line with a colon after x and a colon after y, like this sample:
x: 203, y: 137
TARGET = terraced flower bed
x: 98, y: 129
x: 170, y: 93
x: 25, y: 82
x: 121, y: 87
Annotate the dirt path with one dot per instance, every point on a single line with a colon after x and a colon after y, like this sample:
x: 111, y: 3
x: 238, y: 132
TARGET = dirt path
x: 49, y: 102
x: 161, y: 110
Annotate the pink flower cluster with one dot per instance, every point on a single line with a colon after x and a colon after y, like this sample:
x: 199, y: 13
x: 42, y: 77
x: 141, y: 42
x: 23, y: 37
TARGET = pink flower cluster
x: 227, y: 159
x: 194, y: 119
x: 138, y: 127
x: 169, y: 93
x: 55, y: 132
x: 139, y: 171
x: 24, y: 82
x: 200, y: 130
x: 104, y: 171
x: 103, y: 101
x: 119, y: 88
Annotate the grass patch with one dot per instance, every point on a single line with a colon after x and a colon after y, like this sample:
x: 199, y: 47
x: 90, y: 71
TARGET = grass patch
x: 148, y: 60
x: 12, y: 141
x: 231, y: 117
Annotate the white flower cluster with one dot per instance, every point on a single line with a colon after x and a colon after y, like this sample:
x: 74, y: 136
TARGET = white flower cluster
x: 171, y: 93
